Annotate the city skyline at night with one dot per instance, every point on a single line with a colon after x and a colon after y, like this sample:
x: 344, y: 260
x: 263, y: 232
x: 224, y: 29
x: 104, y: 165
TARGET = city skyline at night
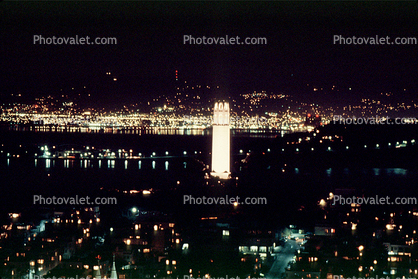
x: 148, y: 51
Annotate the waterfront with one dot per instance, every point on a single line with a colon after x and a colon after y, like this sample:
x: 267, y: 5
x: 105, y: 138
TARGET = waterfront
x: 161, y: 162
x: 146, y: 130
x: 148, y: 176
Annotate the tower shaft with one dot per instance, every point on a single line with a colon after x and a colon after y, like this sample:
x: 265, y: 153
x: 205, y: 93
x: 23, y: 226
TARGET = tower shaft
x: 221, y: 140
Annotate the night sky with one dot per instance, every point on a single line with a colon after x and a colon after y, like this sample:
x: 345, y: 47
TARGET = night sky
x: 150, y: 48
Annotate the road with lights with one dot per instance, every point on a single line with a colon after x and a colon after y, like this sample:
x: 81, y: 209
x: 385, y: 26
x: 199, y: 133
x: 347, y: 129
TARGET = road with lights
x: 282, y: 259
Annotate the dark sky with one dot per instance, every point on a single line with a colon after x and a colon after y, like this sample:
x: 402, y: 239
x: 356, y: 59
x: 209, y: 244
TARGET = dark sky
x: 150, y: 46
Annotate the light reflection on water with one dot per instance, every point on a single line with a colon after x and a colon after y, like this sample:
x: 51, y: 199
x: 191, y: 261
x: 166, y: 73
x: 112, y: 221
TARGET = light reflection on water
x: 329, y: 172
x: 259, y: 133
x: 111, y: 164
x: 156, y: 164
x: 375, y: 171
x: 396, y: 171
x: 164, y: 164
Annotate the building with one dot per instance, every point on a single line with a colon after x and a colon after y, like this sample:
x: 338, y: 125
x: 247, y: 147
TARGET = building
x: 221, y: 141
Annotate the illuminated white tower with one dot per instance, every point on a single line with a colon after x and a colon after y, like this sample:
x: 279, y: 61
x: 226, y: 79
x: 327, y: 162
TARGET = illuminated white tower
x: 221, y: 141
x: 31, y: 270
x: 96, y: 271
x: 113, y: 274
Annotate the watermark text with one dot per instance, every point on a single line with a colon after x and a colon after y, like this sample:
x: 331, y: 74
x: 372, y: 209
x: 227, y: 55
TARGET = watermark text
x: 39, y: 199
x: 77, y: 40
x: 386, y: 120
x: 376, y: 200
x: 376, y: 40
x: 226, y: 40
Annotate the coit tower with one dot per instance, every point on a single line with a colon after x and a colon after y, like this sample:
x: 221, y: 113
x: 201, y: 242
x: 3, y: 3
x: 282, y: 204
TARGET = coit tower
x: 221, y: 141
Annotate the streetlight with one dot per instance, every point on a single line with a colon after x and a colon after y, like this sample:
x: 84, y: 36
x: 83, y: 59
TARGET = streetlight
x: 361, y: 248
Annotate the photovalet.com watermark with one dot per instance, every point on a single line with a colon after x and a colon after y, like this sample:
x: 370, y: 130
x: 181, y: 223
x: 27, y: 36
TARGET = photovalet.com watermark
x: 222, y: 277
x: 375, y: 277
x: 34, y: 276
x: 225, y: 40
x: 376, y: 200
x: 76, y: 40
x: 377, y: 120
x: 41, y: 200
x: 184, y: 277
x: 373, y: 40
x: 227, y: 200
x: 234, y: 120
